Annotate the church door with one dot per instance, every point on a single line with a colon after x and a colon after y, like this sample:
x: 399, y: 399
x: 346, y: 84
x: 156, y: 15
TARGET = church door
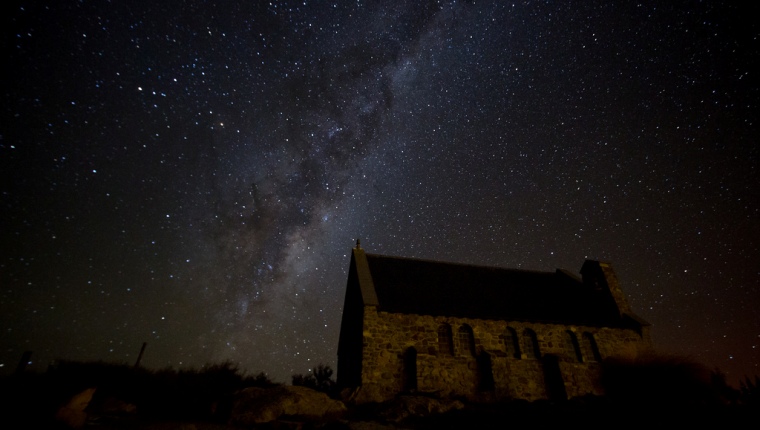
x: 555, y: 385
x: 410, y: 369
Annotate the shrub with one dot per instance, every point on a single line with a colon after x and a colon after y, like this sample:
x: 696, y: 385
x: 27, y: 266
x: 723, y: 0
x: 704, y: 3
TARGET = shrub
x: 319, y: 379
x: 165, y: 394
x: 661, y: 380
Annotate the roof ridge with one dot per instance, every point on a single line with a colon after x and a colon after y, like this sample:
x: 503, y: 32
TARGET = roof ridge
x: 455, y: 263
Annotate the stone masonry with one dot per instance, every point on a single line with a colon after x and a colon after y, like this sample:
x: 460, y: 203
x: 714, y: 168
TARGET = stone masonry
x: 477, y: 358
x: 388, y: 336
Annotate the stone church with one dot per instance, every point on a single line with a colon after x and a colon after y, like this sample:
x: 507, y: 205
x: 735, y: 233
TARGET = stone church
x: 482, y: 333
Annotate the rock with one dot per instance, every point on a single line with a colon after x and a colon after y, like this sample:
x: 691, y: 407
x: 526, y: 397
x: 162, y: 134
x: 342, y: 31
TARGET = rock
x: 406, y: 406
x: 367, y: 393
x: 72, y: 414
x: 114, y: 406
x: 256, y: 405
x: 370, y: 425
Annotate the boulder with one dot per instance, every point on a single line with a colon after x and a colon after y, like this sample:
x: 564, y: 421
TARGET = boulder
x: 117, y: 407
x: 407, y: 406
x: 73, y: 414
x: 367, y: 393
x: 255, y: 405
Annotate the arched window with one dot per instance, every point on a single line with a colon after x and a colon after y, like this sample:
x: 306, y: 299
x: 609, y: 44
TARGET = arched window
x: 590, y: 349
x: 512, y: 343
x: 410, y: 369
x: 530, y: 344
x: 445, y: 344
x: 572, y: 348
x: 466, y: 340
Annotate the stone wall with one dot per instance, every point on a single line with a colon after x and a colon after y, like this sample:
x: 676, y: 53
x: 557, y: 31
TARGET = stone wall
x: 486, y: 368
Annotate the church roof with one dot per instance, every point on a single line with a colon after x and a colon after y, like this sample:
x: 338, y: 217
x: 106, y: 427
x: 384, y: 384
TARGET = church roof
x: 424, y: 287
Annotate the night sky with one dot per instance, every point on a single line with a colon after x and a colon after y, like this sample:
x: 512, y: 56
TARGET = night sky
x: 194, y: 174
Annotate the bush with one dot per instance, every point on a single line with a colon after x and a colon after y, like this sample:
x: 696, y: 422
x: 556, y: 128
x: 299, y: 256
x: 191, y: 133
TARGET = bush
x: 319, y: 379
x: 662, y: 380
x: 749, y: 391
x: 203, y: 394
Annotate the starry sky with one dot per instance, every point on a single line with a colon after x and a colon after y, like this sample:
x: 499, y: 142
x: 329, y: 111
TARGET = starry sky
x: 194, y: 174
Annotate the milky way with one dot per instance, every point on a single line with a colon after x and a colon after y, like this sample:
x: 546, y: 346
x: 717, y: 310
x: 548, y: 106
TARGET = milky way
x: 194, y: 174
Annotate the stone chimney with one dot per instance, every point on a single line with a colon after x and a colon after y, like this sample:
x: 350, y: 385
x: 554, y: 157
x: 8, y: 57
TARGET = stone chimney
x: 600, y: 276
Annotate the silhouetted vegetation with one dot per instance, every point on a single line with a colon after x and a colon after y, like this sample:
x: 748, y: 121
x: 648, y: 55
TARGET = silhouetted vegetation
x: 640, y: 390
x: 749, y: 391
x: 319, y: 379
x: 667, y: 382
x: 195, y: 394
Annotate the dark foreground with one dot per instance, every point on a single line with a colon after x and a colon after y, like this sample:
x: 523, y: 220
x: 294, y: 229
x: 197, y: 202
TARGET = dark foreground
x: 105, y: 396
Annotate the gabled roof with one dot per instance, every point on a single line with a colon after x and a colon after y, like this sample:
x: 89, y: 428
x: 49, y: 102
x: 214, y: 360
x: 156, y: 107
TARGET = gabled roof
x: 424, y: 287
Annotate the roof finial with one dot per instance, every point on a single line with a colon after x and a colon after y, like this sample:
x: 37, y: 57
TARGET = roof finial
x: 358, y: 244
